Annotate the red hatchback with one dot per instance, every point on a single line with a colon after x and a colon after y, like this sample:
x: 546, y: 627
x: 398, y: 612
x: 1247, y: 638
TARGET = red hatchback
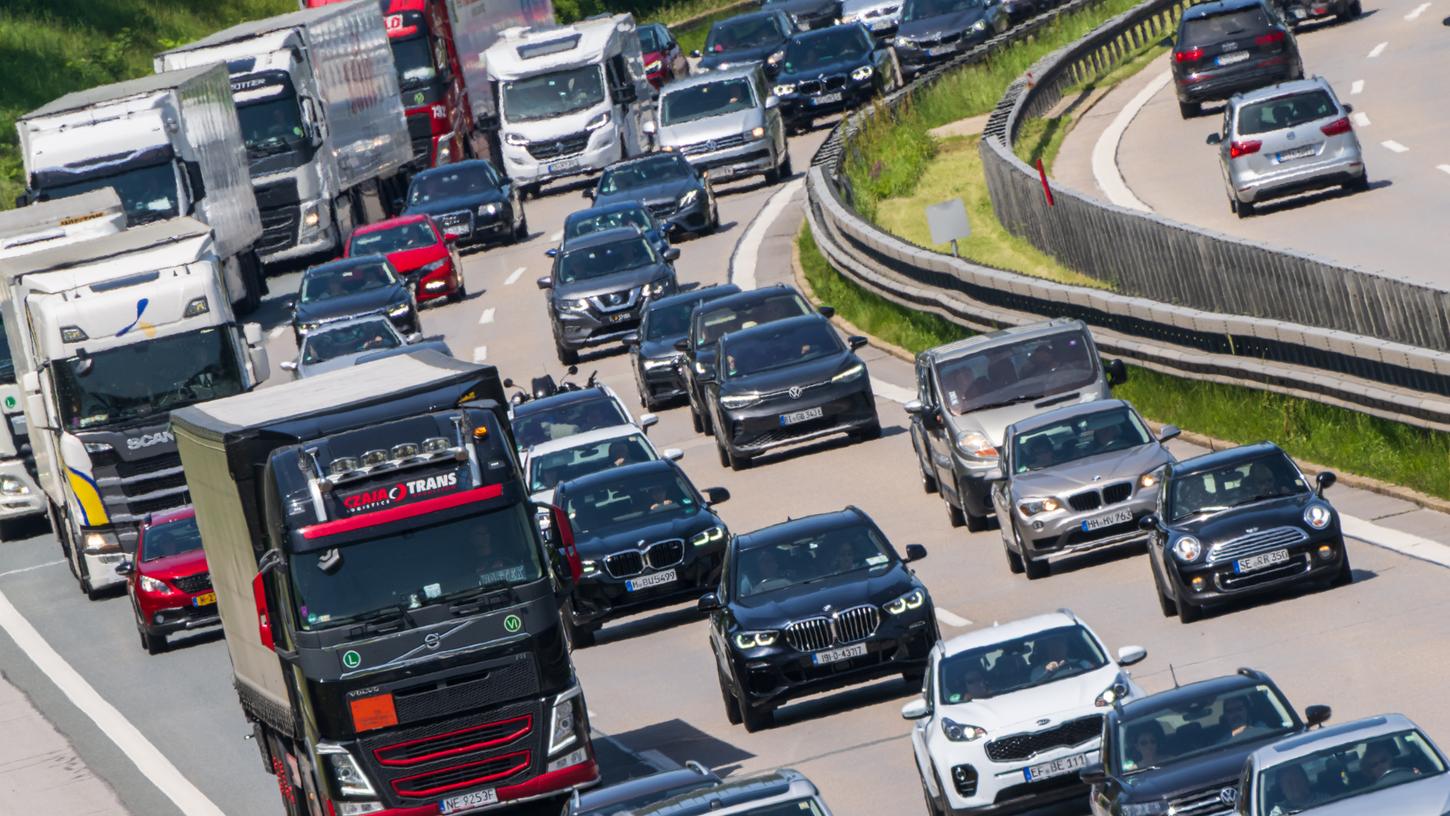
x: 167, y: 579
x: 418, y: 250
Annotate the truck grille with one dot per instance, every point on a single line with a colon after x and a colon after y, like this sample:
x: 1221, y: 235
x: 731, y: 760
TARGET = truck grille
x: 1204, y: 802
x: 1274, y: 538
x: 420, y: 135
x: 279, y: 229
x: 192, y: 584
x: 556, y: 148
x: 1025, y: 746
x: 436, y: 783
x: 466, y: 740
x: 499, y: 747
x: 1093, y: 499
x: 811, y: 87
x: 847, y: 626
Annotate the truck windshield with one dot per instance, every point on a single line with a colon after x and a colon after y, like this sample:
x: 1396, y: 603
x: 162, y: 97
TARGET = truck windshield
x: 149, y: 193
x: 449, y: 559
x: 553, y: 94
x: 415, y: 62
x: 147, y: 379
x: 271, y: 126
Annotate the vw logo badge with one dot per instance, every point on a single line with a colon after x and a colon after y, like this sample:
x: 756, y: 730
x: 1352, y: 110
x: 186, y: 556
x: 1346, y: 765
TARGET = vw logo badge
x: 558, y: 147
x: 795, y: 392
x: 1290, y: 136
x: 710, y: 145
x: 1229, y: 796
x: 432, y: 641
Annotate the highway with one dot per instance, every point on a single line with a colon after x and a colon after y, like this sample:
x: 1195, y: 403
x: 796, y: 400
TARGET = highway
x: 1380, y: 644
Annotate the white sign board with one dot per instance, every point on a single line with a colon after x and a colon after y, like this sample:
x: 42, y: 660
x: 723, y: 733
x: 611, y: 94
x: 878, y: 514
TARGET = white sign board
x: 948, y: 221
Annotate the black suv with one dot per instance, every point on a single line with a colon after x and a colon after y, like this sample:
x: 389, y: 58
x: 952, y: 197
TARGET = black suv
x: 1229, y: 46
x: 1181, y: 751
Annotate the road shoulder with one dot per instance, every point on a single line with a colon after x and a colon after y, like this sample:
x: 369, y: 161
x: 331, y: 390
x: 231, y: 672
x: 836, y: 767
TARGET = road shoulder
x: 40, y: 771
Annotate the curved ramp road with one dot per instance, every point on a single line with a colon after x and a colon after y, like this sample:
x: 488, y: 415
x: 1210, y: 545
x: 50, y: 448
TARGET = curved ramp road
x: 1383, y: 643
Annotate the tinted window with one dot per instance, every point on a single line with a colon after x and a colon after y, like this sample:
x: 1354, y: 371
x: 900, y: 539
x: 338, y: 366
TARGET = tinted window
x: 642, y: 500
x: 1163, y: 736
x: 774, y: 347
x: 403, y: 237
x: 623, y: 807
x: 669, y: 321
x: 809, y: 557
x: 651, y: 38
x: 1031, y: 369
x: 833, y: 45
x: 1218, y: 27
x: 745, y: 32
x: 711, y: 99
x: 366, y: 335
x: 1266, y: 477
x: 718, y: 322
x: 1077, y: 438
x: 598, y: 222
x: 540, y: 426
x: 326, y: 284
x: 171, y: 538
x: 1347, y: 770
x: 598, y: 261
x: 1285, y: 112
x: 922, y: 9
x: 1020, y: 663
x: 643, y: 173
x: 450, y: 183
x: 549, y: 469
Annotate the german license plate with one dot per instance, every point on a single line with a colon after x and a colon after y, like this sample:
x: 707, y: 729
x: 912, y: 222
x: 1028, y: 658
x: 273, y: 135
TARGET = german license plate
x: 940, y: 50
x: 837, y: 655
x: 456, y: 229
x: 826, y: 99
x: 1260, y: 561
x: 1057, y: 767
x: 204, y: 599
x: 797, y: 417
x: 1230, y: 59
x: 567, y: 165
x: 1107, y: 520
x: 468, y: 801
x: 647, y: 581
x: 1296, y: 153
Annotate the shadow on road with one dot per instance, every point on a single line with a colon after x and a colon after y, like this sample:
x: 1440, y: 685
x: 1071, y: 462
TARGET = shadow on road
x: 681, y: 742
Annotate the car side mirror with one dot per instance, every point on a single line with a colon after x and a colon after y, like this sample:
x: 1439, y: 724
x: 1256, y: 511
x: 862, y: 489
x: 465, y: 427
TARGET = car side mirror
x: 672, y: 454
x: 552, y: 252
x: 1166, y: 42
x: 125, y: 568
x: 915, y: 552
x: 717, y: 495
x: 508, y: 382
x: 413, y: 337
x: 1348, y: 108
x: 1093, y: 774
x: 1168, y: 432
x: 826, y: 311
x: 1116, y: 373
x: 288, y: 365
x: 398, y: 205
x: 1148, y: 523
x: 647, y: 421
x: 708, y: 603
x: 1325, y: 480
x: 772, y: 102
x: 856, y: 341
x: 1214, y: 138
x: 682, y: 344
x: 916, y: 709
x: 1317, y: 715
x: 631, y: 340
x: 994, y: 474
x: 545, y: 282
x: 1128, y: 655
x: 672, y: 254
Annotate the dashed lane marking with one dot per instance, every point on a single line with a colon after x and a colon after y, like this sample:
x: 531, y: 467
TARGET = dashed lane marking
x: 480, y: 354
x: 1361, y: 119
x: 1394, y: 146
x: 276, y: 332
x: 1397, y: 540
x: 514, y: 276
x: 1378, y: 49
x: 485, y: 318
x: 1443, y: 168
x: 1356, y: 87
x: 1420, y: 9
x: 31, y: 568
x: 895, y: 393
x: 951, y: 619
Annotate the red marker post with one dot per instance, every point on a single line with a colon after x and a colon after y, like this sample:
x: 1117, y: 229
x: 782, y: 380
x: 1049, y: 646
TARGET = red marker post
x: 1046, y: 188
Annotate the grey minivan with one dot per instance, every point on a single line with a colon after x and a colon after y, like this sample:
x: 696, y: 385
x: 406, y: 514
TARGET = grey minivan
x: 969, y: 391
x: 726, y: 123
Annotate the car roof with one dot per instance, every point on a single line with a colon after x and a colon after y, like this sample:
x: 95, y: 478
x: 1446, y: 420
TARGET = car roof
x: 850, y: 516
x: 168, y: 516
x: 462, y: 164
x: 672, y: 158
x: 1218, y: 7
x: 777, y: 325
x: 734, y: 795
x: 344, y: 264
x: 1011, y: 630
x: 708, y: 77
x: 379, y: 226
x: 619, y: 473
x: 541, y: 404
x: 1220, y: 458
x: 752, y: 296
x: 603, y: 209
x: 614, y: 235
x: 1314, y: 83
x: 586, y: 438
x: 1002, y: 337
x: 643, y: 785
x: 1307, y: 743
x: 1182, y: 695
x: 347, y: 321
x: 1066, y: 412
x: 702, y: 294
x: 803, y: 36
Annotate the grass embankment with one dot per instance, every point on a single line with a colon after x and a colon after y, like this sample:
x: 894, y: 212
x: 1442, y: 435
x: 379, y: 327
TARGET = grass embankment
x: 1330, y: 436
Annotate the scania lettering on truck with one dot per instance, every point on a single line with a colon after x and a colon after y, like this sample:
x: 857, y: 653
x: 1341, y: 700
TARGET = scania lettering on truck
x: 321, y: 120
x: 391, y: 611
x: 170, y: 146
x: 108, y: 336
x: 571, y: 99
x: 438, y: 48
x: 24, y: 230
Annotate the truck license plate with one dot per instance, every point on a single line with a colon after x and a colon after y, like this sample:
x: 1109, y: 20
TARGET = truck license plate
x: 837, y: 655
x: 204, y: 599
x: 468, y: 801
x: 798, y: 417
x: 1099, y: 522
x: 647, y: 581
x: 1057, y: 767
x: 826, y: 98
x: 1258, y: 562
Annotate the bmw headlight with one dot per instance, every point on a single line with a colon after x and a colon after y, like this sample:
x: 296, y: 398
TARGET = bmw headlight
x: 959, y: 732
x: 11, y: 486
x: 598, y: 122
x: 488, y: 209
x: 753, y: 640
x: 713, y: 535
x: 976, y: 445
x: 863, y: 73
x: 1035, y: 506
x: 739, y: 400
x: 515, y: 139
x: 688, y: 199
x: 1318, y: 516
x: 911, y: 600
x: 784, y: 89
x: 400, y: 309
x: 850, y: 374
x: 589, y: 567
x: 1187, y: 548
x: 150, y: 584
x: 1147, y: 480
x: 573, y: 305
x: 653, y: 65
x: 1145, y: 809
x: 433, y: 267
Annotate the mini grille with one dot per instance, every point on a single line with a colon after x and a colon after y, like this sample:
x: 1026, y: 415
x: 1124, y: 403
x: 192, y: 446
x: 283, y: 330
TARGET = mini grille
x: 553, y: 149
x: 192, y: 584
x: 847, y: 626
x: 625, y: 564
x: 1024, y: 746
x: 1272, y: 539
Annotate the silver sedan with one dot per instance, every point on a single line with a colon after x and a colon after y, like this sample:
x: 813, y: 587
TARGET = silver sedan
x: 348, y: 342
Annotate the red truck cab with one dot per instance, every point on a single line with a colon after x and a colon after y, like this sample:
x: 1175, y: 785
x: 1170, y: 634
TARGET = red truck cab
x: 419, y: 250
x: 168, y: 581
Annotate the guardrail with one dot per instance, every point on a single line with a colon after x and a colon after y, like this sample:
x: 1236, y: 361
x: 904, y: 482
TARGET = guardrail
x: 1187, y: 302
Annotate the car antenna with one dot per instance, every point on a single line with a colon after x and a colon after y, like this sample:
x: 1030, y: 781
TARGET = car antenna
x: 1175, y: 675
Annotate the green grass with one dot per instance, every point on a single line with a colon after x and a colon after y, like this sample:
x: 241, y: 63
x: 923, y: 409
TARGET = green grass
x: 1324, y: 434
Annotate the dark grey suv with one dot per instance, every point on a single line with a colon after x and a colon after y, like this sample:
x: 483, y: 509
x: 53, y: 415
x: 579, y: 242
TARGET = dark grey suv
x: 1228, y: 46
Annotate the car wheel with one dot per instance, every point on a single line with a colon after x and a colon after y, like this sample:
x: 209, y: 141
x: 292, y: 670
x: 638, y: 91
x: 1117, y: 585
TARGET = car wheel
x: 755, y: 718
x: 732, y: 708
x: 955, y: 516
x: 872, y: 431
x: 521, y: 232
x: 1166, y: 604
x: 738, y: 461
x: 707, y: 424
x: 695, y: 419
x: 932, y: 808
x: 914, y: 678
x: 1359, y: 185
x: 567, y: 356
x: 460, y: 292
x: 1354, y: 10
x: 786, y: 170
x: 1345, y: 575
x: 724, y: 455
x: 1035, y: 568
x: 772, y: 176
x: 1188, y: 110
x: 580, y: 635
x: 1244, y: 209
x: 976, y: 524
x: 154, y: 644
x: 928, y: 482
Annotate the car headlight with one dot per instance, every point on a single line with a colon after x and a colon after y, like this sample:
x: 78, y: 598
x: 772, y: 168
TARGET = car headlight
x: 863, y: 73
x: 710, y: 536
x: 852, y: 373
x: 699, y: 368
x: 1318, y: 516
x: 307, y: 327
x: 653, y: 65
x: 598, y: 122
x: 1145, y: 809
x: 488, y: 209
x: 11, y: 486
x: 657, y: 287
x: 150, y: 584
x: 573, y: 305
x: 435, y: 266
x: 400, y: 309
x: 656, y: 365
x: 1187, y: 548
x: 753, y: 640
x: 1147, y: 480
x: 756, y: 133
x: 688, y: 199
x: 739, y: 400
x: 911, y: 600
x: 1112, y: 694
x: 960, y: 732
x: 1035, y: 506
x: 515, y: 139
x: 976, y: 445
x: 980, y: 25
x: 350, y: 779
x: 784, y: 88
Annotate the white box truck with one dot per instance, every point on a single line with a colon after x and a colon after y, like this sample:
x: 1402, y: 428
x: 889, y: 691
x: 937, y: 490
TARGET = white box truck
x: 321, y: 120
x: 169, y: 145
x: 108, y: 336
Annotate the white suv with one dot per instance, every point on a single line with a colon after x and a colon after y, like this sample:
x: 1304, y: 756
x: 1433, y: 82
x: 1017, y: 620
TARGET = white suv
x: 1010, y: 713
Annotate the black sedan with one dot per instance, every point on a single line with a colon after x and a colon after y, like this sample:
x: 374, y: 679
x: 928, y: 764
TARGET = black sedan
x: 831, y: 70
x: 935, y: 31
x: 599, y: 285
x: 658, y: 364
x: 471, y: 201
x: 813, y: 604
x: 647, y: 539
x: 746, y: 39
x: 354, y: 287
x: 1238, y: 523
x: 807, y: 14
x: 669, y: 187
x: 627, y: 796
x: 788, y: 382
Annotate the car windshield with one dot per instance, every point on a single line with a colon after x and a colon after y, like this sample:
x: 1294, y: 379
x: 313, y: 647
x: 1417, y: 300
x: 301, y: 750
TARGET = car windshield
x: 673, y: 320
x: 148, y: 193
x: 1271, y: 476
x: 1019, y: 663
x: 717, y: 322
x: 808, y: 558
x: 589, y: 221
x: 617, y: 806
x: 553, y: 94
x: 701, y: 101
x: 1023, y: 371
x: 546, y: 470
x: 925, y: 9
x: 796, y: 807
x: 745, y: 32
x: 329, y: 343
x: 651, y: 38
x: 606, y: 259
x: 648, y: 499
x: 537, y: 427
x: 146, y: 379
x: 327, y: 283
x: 774, y: 347
x: 494, y: 550
x: 414, y: 61
x: 838, y: 44
x: 271, y: 125
x: 1349, y: 769
x: 1078, y: 438
x: 401, y: 238
x: 643, y: 173
x: 450, y: 183
x: 1226, y: 26
x: 170, y: 538
x: 1285, y: 112
x: 1163, y: 736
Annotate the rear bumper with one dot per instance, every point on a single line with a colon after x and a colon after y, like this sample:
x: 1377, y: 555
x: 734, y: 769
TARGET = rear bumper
x: 1225, y: 82
x: 1278, y: 185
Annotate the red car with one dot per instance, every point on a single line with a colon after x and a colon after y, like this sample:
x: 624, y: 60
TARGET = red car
x: 167, y: 579
x: 419, y: 250
x: 664, y: 60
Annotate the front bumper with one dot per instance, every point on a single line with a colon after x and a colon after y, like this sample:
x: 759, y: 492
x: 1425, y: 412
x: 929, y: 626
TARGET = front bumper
x: 1221, y: 83
x: 471, y: 229
x: 973, y: 490
x: 592, y: 327
x: 759, y: 428
x: 753, y: 157
x: 802, y: 107
x: 1002, y: 787
x: 164, y: 614
x: 1066, y: 533
x: 1220, y: 582
x: 28, y: 502
x: 600, y: 596
x: 662, y: 382
x: 916, y: 59
x: 101, y: 567
x: 693, y: 219
x: 437, y: 284
x: 602, y: 148
x: 1346, y: 168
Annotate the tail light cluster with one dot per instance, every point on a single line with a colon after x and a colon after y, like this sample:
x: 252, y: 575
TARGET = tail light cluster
x: 1243, y: 148
x: 1272, y: 38
x: 1188, y: 55
x: 1338, y: 126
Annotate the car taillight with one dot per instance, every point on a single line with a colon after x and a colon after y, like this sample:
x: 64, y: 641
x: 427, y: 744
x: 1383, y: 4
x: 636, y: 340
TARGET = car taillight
x: 1191, y: 55
x: 1236, y: 149
x: 1338, y: 126
x: 1269, y: 39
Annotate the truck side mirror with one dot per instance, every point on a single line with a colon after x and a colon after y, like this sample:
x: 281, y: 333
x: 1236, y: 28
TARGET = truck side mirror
x: 649, y: 127
x: 288, y: 365
x: 564, y: 534
x: 125, y: 568
x: 257, y: 352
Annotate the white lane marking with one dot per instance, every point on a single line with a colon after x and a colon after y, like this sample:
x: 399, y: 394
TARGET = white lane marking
x: 277, y: 332
x: 1356, y: 87
x: 895, y: 393
x: 1397, y: 540
x: 1361, y: 119
x: 555, y: 236
x: 480, y: 354
x: 1420, y: 9
x: 747, y: 250
x: 1392, y: 145
x: 950, y: 619
x: 485, y: 318
x: 514, y: 276
x: 1378, y: 49
x: 1105, y: 152
x: 1443, y: 168
x: 30, y: 568
x: 133, y: 744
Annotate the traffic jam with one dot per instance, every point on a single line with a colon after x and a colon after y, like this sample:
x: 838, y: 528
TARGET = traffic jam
x: 411, y: 556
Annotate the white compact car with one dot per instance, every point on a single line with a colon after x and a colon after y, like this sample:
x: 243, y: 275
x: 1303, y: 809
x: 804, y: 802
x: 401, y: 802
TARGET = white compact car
x: 1010, y: 713
x: 549, y: 463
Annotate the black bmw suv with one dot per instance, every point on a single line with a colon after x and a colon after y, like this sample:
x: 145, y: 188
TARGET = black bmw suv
x: 1227, y: 46
x: 814, y: 604
x: 831, y: 70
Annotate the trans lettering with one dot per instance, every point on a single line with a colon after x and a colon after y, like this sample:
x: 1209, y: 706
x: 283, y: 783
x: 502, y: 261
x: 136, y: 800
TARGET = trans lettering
x: 400, y: 492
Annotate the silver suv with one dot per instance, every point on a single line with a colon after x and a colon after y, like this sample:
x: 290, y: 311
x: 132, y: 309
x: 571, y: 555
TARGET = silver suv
x: 1286, y: 139
x: 726, y: 122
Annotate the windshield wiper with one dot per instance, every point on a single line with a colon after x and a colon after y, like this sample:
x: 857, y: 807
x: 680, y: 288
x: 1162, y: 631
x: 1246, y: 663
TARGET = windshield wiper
x: 459, y: 602
x: 1009, y: 401
x: 382, y: 619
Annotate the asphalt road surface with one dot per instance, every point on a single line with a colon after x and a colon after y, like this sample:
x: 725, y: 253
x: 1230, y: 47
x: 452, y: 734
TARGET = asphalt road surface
x: 1381, y: 644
